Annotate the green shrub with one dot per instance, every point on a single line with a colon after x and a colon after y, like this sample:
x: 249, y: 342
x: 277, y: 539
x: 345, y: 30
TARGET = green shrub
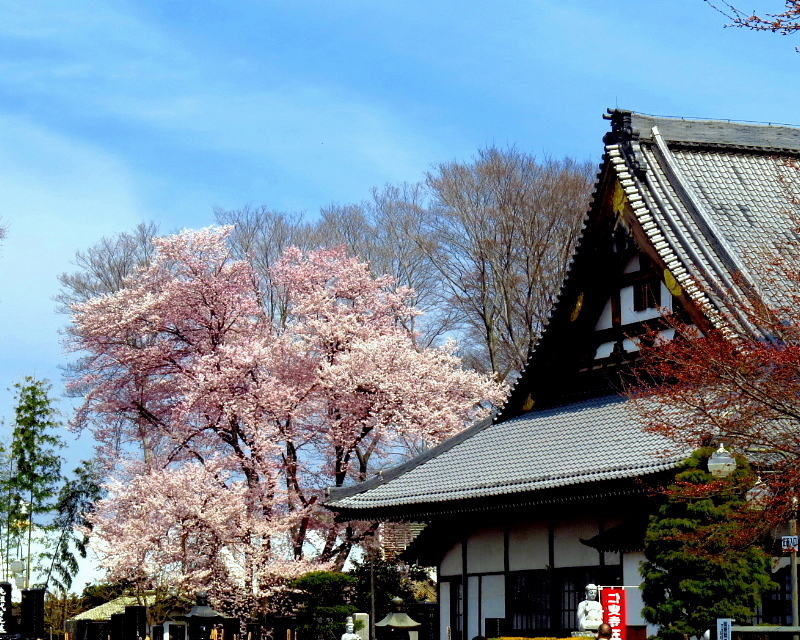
x: 324, y: 602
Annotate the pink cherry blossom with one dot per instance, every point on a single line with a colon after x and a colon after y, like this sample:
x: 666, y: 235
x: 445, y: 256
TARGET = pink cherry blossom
x: 222, y: 431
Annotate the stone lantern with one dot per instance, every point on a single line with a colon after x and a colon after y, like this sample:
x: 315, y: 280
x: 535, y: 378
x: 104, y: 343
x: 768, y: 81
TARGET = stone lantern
x: 399, y: 623
x: 202, y: 618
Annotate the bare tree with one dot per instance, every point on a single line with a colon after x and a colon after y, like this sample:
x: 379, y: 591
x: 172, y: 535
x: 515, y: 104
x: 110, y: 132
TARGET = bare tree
x: 387, y: 232
x: 484, y: 244
x: 500, y: 232
x: 104, y: 267
x: 260, y: 236
x: 349, y: 226
x: 400, y: 215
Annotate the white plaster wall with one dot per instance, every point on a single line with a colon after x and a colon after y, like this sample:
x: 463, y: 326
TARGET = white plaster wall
x: 605, y: 318
x: 666, y: 335
x: 604, y: 350
x: 568, y: 551
x: 493, y: 597
x: 634, y: 265
x: 485, y: 550
x: 666, y: 297
x: 451, y: 563
x: 628, y: 315
x: 630, y: 577
x: 629, y: 345
x: 444, y: 609
x: 473, y: 596
x: 527, y: 546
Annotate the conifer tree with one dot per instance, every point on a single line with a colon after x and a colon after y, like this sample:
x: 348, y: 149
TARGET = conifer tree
x: 325, y: 599
x: 705, y: 555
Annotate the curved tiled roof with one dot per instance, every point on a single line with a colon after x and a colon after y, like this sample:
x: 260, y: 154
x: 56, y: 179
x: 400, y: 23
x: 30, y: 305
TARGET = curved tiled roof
x: 598, y: 439
x: 711, y: 197
x: 715, y: 199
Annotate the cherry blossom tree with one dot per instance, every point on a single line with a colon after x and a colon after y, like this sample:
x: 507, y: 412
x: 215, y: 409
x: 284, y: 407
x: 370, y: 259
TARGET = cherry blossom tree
x: 786, y: 22
x: 221, y: 429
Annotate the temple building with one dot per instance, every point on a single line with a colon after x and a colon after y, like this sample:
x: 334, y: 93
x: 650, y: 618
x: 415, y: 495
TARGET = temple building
x: 524, y: 510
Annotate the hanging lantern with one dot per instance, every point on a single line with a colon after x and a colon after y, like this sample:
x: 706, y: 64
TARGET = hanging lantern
x: 722, y: 463
x: 758, y: 496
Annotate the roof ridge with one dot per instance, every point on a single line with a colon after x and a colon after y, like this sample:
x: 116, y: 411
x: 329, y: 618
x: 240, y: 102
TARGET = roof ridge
x: 703, y: 119
x: 713, y: 238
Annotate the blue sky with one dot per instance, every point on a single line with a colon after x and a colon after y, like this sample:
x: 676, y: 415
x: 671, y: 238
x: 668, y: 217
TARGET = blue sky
x: 114, y: 112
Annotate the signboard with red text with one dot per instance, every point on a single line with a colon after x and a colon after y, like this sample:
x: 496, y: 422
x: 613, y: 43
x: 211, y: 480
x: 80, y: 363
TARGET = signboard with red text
x: 614, y: 611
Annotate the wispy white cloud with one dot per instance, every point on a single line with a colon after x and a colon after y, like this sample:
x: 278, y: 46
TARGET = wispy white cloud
x: 110, y: 66
x: 113, y: 111
x: 57, y: 195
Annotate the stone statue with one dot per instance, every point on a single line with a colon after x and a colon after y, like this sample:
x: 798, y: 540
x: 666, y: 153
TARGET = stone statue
x: 349, y: 634
x: 590, y: 611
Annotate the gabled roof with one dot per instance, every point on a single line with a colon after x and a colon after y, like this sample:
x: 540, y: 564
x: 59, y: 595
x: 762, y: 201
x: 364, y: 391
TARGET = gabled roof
x: 715, y: 199
x: 587, y: 442
x: 706, y: 201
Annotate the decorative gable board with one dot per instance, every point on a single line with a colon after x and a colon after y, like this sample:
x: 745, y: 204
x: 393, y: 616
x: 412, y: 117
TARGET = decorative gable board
x: 700, y: 213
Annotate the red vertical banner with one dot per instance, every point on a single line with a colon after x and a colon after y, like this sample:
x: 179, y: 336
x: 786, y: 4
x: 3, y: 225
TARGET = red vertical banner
x: 614, y: 611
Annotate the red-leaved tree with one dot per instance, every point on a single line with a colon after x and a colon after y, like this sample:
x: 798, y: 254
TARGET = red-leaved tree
x: 736, y: 381
x: 222, y: 429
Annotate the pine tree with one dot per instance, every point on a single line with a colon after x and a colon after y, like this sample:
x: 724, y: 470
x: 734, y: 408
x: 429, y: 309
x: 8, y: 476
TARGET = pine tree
x: 705, y: 555
x: 385, y: 580
x: 325, y: 601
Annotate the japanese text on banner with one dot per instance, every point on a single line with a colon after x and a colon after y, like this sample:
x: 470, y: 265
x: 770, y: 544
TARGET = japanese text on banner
x: 614, y: 611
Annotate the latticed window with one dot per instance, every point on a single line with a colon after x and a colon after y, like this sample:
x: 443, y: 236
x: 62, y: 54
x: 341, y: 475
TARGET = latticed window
x: 776, y: 606
x: 547, y: 599
x: 646, y: 294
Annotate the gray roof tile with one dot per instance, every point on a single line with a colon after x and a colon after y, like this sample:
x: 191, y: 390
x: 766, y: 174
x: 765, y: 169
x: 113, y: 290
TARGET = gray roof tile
x: 598, y: 439
x: 723, y: 204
